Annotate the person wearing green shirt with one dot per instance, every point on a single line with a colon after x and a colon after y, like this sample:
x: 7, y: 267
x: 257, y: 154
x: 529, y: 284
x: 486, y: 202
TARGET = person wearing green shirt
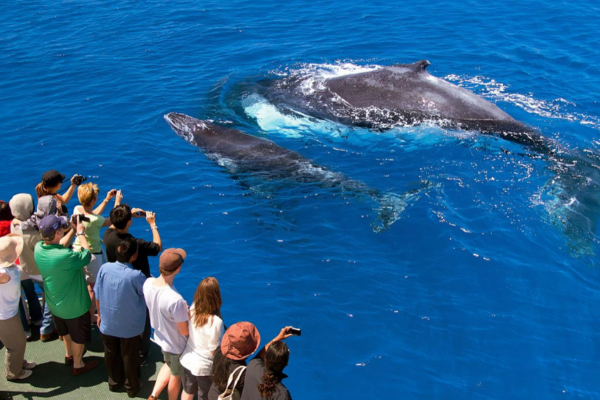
x: 65, y: 287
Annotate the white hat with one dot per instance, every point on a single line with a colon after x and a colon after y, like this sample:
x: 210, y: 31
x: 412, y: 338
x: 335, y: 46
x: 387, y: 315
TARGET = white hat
x: 11, y: 246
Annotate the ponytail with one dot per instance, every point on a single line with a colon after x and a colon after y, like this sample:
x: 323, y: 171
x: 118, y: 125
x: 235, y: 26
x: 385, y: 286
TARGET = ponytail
x: 268, y: 385
x: 40, y: 190
x: 276, y: 359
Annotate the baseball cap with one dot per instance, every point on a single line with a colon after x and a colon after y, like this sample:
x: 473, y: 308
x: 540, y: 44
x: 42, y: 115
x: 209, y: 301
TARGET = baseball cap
x: 52, y: 178
x: 51, y: 223
x: 171, y: 259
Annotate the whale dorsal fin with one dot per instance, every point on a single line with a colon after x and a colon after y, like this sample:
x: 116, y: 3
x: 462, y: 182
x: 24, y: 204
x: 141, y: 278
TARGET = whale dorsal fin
x: 417, y: 67
x: 420, y: 66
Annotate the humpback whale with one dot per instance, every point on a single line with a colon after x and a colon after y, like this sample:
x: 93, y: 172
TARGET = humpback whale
x: 408, y: 95
x: 268, y: 160
x: 399, y: 95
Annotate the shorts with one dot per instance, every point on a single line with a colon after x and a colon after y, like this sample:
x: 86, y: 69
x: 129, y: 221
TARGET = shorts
x: 80, y: 328
x: 91, y: 270
x: 172, y: 360
x: 193, y: 384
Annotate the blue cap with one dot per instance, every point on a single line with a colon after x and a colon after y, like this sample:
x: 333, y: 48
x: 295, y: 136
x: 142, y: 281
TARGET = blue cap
x: 51, y: 223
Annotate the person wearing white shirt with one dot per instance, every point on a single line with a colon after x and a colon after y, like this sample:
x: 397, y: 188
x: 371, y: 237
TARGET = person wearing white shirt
x: 206, y: 330
x: 11, y: 329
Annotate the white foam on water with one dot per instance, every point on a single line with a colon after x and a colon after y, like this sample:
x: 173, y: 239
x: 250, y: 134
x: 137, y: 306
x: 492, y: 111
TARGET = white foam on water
x: 297, y: 125
x: 558, y: 108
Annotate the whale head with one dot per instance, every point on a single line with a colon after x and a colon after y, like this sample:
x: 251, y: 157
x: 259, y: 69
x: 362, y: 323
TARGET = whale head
x: 189, y: 128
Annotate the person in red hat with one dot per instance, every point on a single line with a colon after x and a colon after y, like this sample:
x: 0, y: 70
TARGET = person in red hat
x: 169, y: 318
x: 240, y: 341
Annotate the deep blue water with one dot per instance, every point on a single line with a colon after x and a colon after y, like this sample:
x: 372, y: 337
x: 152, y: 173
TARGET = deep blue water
x: 482, y: 289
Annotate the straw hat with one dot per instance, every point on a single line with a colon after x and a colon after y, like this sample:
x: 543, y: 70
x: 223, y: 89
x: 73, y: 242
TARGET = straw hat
x: 11, y: 246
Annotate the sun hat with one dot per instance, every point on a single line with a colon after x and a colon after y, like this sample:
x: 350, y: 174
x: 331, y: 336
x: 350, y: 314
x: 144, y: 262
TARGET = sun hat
x: 11, y: 246
x: 52, y: 178
x: 51, y: 223
x: 240, y: 341
x: 171, y: 259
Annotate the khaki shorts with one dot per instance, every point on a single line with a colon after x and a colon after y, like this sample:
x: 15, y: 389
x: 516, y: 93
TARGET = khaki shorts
x: 172, y: 360
x: 91, y: 270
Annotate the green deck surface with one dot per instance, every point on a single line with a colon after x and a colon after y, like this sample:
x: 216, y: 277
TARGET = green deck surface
x: 52, y: 378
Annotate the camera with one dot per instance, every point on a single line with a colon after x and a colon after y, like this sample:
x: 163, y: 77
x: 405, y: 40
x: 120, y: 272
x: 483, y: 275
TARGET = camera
x: 140, y: 213
x: 78, y: 179
x: 82, y: 218
x: 295, y: 331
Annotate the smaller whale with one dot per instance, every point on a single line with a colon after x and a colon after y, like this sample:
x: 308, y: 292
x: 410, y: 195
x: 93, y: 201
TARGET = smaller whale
x: 398, y: 95
x: 253, y: 154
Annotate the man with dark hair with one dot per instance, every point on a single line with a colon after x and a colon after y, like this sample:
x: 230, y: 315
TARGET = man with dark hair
x: 121, y: 217
x: 121, y: 317
x: 65, y: 287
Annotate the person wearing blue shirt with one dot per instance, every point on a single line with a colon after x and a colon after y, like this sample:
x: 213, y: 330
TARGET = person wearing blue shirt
x: 121, y: 317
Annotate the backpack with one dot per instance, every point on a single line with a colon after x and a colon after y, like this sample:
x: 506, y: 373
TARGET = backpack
x: 232, y: 393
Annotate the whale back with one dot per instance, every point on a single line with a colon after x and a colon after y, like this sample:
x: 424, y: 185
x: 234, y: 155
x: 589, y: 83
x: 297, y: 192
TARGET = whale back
x: 230, y: 143
x: 410, y: 88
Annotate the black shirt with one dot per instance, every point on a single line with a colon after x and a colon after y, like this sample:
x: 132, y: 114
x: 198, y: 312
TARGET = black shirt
x: 111, y: 241
x: 254, y: 374
x: 215, y: 391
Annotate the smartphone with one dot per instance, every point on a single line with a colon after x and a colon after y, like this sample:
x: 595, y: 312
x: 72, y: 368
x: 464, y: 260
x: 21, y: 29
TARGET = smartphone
x: 140, y: 214
x: 295, y: 331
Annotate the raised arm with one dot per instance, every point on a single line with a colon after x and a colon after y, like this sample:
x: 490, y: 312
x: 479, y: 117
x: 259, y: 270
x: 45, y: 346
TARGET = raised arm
x: 151, y: 219
x: 100, y: 209
x: 65, y: 198
x: 283, y: 334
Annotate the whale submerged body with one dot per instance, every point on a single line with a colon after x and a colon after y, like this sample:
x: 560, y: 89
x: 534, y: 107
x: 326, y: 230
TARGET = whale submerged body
x: 264, y: 158
x: 398, y: 95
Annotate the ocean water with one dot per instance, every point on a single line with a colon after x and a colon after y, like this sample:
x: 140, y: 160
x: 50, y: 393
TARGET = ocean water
x: 486, y: 284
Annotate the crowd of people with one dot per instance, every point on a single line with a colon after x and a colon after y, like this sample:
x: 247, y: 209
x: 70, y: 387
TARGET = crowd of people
x: 86, y: 284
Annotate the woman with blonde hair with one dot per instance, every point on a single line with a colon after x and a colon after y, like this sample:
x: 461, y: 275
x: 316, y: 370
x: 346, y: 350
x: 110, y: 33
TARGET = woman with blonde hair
x: 206, y: 329
x: 88, y: 197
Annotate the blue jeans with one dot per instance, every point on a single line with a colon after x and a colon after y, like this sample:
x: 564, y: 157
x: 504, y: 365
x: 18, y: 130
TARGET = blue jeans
x: 47, y: 326
x: 35, y: 310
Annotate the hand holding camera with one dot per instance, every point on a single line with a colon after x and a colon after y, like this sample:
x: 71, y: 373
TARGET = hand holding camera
x: 75, y: 218
x: 112, y: 193
x: 78, y: 179
x: 77, y: 221
x: 138, y: 212
x: 287, y: 332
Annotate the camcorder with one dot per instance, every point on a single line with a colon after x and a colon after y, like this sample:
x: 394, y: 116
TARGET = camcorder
x: 78, y: 179
x: 81, y: 217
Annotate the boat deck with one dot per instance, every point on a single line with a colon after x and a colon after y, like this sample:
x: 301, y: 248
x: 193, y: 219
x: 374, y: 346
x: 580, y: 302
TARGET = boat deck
x: 52, y: 378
